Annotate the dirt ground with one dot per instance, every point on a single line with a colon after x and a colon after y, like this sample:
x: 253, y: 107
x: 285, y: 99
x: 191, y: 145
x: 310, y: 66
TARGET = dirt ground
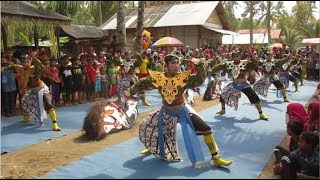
x: 39, y: 159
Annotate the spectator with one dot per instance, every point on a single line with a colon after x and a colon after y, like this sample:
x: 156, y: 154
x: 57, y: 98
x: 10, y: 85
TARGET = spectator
x: 77, y: 78
x: 66, y: 79
x: 91, y: 78
x: 8, y: 88
x: 313, y: 117
x: 52, y: 73
x: 97, y: 66
x: 294, y: 129
x: 113, y: 75
x: 104, y: 82
x: 302, y: 163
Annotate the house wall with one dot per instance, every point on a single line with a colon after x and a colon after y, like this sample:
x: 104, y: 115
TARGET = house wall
x: 193, y: 36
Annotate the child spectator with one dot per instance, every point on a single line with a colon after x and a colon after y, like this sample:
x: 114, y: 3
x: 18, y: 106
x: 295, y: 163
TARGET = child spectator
x: 91, y: 78
x: 302, y: 163
x: 66, y: 79
x: 52, y: 73
x: 113, y: 79
x: 77, y: 78
x: 8, y: 88
x: 294, y: 129
x: 97, y: 66
x: 83, y: 65
x: 104, y: 82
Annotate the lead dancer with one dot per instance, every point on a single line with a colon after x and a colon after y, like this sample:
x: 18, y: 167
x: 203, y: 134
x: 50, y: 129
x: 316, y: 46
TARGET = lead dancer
x: 158, y: 131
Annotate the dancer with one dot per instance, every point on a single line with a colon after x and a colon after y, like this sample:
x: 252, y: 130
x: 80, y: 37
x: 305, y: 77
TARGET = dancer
x: 130, y: 77
x: 232, y: 92
x: 284, y: 75
x: 38, y: 98
x: 269, y: 77
x: 157, y: 131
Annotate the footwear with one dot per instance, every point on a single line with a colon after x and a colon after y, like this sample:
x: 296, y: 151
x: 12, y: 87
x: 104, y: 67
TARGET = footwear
x: 218, y: 161
x: 25, y: 119
x: 286, y: 100
x: 262, y: 116
x: 145, y: 151
x: 53, y: 118
x: 222, y: 111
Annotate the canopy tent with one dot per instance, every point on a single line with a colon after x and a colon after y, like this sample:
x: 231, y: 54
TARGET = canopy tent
x: 26, y: 16
x: 244, y: 39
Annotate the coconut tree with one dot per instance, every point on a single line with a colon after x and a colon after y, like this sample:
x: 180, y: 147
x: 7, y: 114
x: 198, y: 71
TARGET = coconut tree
x: 311, y: 30
x: 121, y: 28
x: 291, y: 37
x: 137, y: 44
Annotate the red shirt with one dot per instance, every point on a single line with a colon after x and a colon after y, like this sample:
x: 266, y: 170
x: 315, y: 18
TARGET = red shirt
x: 91, y: 73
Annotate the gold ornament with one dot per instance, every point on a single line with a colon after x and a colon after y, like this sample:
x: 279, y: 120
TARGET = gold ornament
x: 169, y: 86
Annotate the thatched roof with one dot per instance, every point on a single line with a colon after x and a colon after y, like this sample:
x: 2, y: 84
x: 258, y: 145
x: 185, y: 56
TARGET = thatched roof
x: 171, y: 15
x: 83, y: 31
x: 30, y: 11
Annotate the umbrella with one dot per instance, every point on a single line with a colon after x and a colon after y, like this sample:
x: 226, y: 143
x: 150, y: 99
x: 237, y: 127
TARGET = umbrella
x: 275, y: 46
x: 168, y: 41
x: 311, y: 41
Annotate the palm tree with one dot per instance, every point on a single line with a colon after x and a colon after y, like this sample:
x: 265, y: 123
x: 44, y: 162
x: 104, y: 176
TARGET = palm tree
x: 139, y: 30
x: 311, y: 30
x: 121, y: 28
x: 229, y: 7
x: 291, y: 37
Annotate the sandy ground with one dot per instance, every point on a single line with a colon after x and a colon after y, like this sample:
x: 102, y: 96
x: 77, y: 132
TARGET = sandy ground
x: 39, y: 159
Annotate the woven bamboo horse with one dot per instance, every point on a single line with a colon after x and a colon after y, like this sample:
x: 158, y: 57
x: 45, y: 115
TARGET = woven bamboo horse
x: 105, y: 118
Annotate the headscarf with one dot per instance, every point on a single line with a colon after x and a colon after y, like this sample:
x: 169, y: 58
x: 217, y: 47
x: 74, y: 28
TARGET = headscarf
x: 296, y: 111
x: 313, y: 110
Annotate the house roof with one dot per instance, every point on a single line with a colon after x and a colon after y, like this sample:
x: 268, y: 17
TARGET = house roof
x: 170, y: 15
x: 245, y: 39
x: 83, y: 31
x: 274, y: 33
x: 28, y: 10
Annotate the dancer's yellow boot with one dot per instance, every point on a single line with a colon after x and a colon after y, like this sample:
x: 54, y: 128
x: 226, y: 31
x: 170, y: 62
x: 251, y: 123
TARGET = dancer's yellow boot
x: 53, y: 117
x: 211, y: 143
x: 223, y: 109
x: 261, y: 115
x: 25, y: 118
x: 283, y: 92
x: 144, y: 101
x: 145, y: 151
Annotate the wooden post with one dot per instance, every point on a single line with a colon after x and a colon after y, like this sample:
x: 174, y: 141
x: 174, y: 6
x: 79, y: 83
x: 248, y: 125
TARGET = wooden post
x: 58, y: 43
x: 4, y: 38
x: 199, y: 37
x: 35, y: 36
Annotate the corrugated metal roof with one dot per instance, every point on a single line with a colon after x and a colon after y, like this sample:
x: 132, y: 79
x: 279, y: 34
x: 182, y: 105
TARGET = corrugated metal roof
x: 83, y: 31
x: 167, y: 15
x: 22, y: 8
x: 244, y: 39
x: 222, y: 31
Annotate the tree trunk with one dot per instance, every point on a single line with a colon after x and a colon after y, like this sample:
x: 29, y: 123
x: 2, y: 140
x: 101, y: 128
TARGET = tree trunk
x: 99, y: 14
x: 269, y: 21
x: 139, y: 30
x: 121, y: 28
x: 251, y: 23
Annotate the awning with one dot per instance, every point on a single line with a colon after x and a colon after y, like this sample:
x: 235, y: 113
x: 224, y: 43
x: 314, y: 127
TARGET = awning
x: 311, y: 41
x: 222, y: 31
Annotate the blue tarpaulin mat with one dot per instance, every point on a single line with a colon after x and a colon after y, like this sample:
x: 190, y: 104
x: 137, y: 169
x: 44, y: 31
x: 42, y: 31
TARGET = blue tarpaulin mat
x: 240, y: 136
